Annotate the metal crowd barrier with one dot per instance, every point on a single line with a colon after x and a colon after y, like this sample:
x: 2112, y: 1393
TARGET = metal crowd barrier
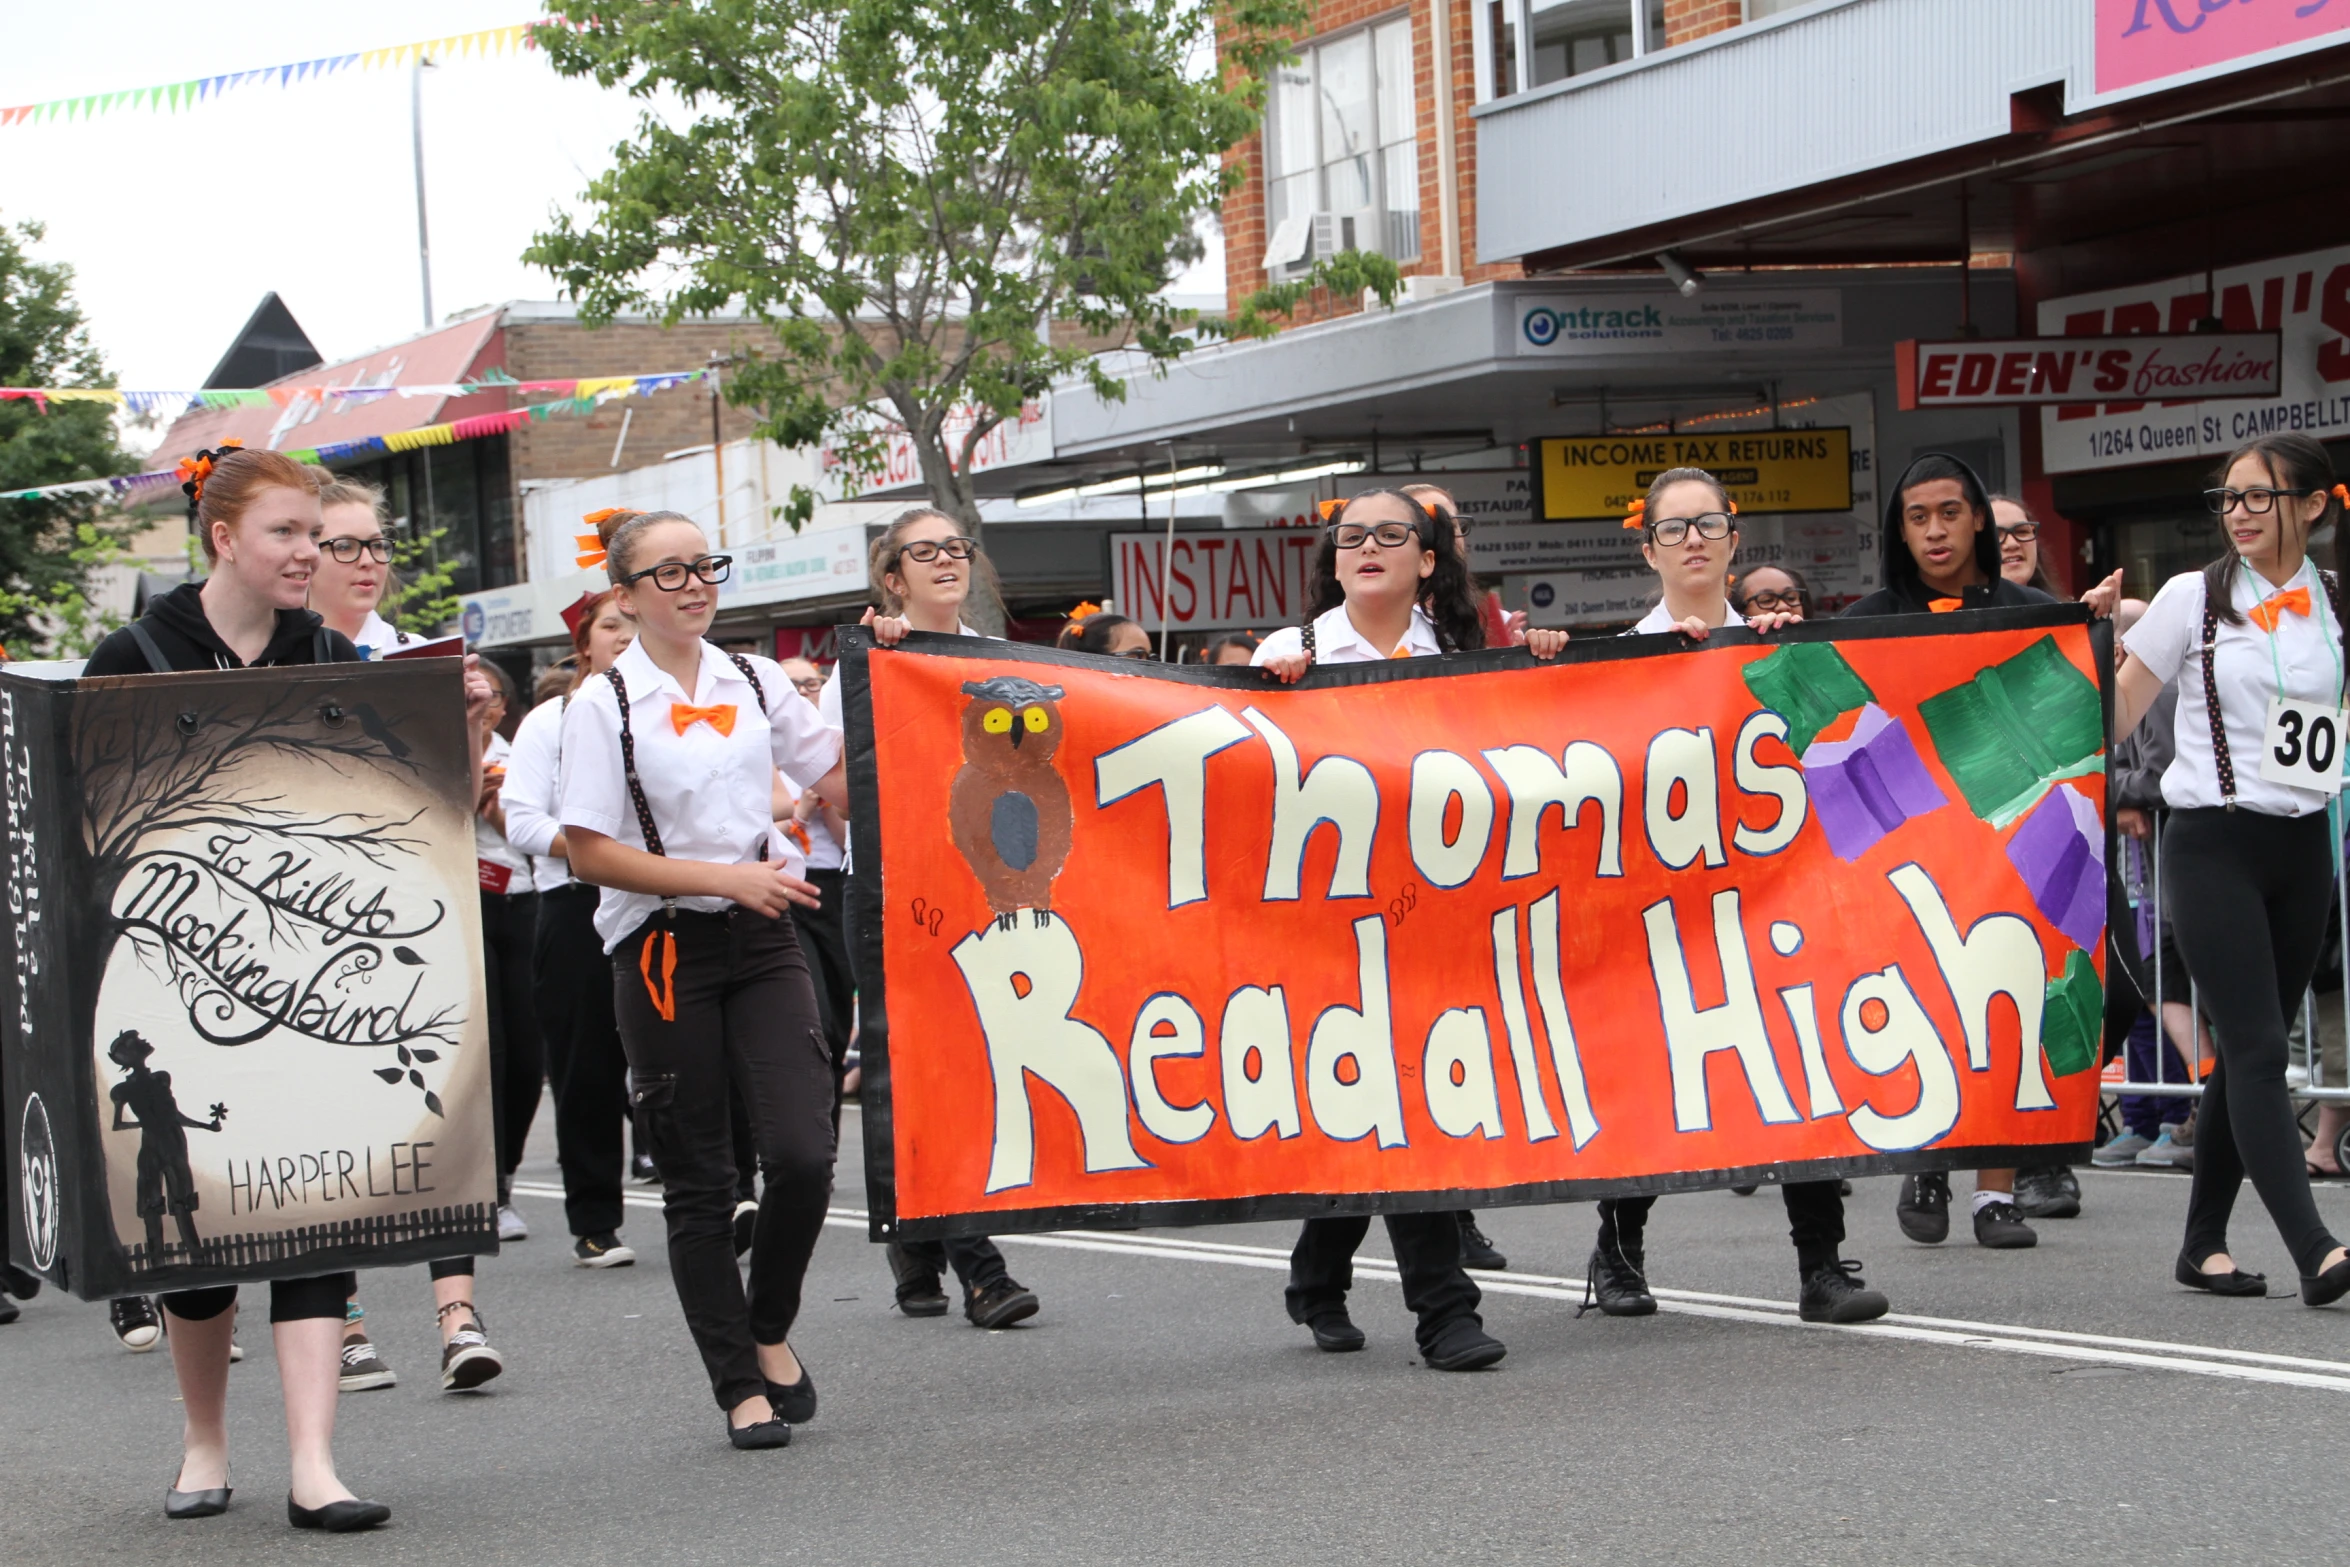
x: 2320, y: 1029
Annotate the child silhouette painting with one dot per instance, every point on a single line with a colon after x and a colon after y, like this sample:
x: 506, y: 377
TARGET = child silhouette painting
x: 165, y: 1183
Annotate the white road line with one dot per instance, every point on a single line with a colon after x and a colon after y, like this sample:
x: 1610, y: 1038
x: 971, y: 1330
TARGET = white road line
x: 1952, y: 1333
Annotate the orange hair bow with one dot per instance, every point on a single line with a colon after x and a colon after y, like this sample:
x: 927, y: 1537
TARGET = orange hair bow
x: 1084, y: 612
x: 591, y: 545
x: 1330, y: 508
x: 1635, y: 516
x: 2341, y: 492
x: 195, y: 470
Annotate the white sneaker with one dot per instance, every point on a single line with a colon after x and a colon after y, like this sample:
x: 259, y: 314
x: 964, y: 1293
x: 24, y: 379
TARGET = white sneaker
x: 510, y: 1225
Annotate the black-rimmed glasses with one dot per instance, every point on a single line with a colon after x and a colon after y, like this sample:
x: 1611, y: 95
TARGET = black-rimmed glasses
x: 1709, y: 525
x: 671, y: 575
x: 1389, y: 535
x: 2258, y: 503
x: 1768, y: 603
x: 348, y: 550
x: 924, y: 551
x: 2021, y: 532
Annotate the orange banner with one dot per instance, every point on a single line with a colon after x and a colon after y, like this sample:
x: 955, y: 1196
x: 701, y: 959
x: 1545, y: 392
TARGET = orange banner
x: 1182, y: 945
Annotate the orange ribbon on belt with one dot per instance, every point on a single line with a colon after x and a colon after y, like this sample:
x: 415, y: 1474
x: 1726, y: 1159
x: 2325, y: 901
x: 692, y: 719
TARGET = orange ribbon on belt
x: 664, y: 995
x: 1945, y: 606
x: 2276, y: 606
x: 683, y: 716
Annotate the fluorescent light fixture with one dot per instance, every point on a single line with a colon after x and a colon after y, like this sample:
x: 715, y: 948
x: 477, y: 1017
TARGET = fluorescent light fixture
x: 1131, y: 482
x: 1678, y: 274
x: 1322, y: 470
x: 1046, y: 497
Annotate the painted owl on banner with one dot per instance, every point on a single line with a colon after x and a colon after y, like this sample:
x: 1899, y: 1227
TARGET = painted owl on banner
x: 1009, y: 811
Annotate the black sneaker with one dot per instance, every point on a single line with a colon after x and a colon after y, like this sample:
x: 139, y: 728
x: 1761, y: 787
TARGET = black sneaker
x: 1924, y: 1208
x: 1615, y: 1281
x: 1837, y: 1293
x: 15, y: 1281
x: 135, y: 1323
x: 641, y: 1171
x: 363, y: 1367
x: 2048, y: 1191
x: 8, y: 1311
x: 1476, y: 1250
x: 1335, y: 1332
x: 602, y: 1251
x: 919, y: 1294
x: 1999, y: 1226
x: 1462, y: 1345
x: 999, y: 1305
x: 467, y: 1360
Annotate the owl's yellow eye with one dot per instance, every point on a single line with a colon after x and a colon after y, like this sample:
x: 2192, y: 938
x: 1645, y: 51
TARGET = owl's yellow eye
x: 1036, y: 718
x: 998, y: 721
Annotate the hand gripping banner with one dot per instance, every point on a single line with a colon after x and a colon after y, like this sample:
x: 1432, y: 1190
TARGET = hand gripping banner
x: 1181, y: 945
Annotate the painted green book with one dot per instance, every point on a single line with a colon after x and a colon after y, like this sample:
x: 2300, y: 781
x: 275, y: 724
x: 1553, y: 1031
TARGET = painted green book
x: 1810, y: 685
x: 2072, y: 1019
x: 2016, y: 728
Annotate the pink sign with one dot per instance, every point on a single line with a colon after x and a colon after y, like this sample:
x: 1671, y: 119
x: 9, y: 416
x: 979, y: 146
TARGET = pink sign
x: 2146, y: 40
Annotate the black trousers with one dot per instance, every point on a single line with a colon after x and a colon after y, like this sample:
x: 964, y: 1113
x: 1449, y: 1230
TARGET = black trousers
x: 518, y: 1066
x: 742, y: 1019
x: 824, y: 937
x: 977, y: 1263
x: 1815, y: 1223
x: 584, y: 1058
x: 1427, y: 1253
x: 290, y: 1300
x: 2248, y: 896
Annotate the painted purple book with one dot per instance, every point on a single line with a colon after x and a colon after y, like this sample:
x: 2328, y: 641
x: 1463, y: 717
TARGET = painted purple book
x: 2060, y: 853
x: 1864, y: 787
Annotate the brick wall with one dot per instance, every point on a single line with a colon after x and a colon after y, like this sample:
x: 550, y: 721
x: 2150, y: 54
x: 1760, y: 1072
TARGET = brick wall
x: 664, y: 422
x: 1687, y: 19
x: 1245, y: 230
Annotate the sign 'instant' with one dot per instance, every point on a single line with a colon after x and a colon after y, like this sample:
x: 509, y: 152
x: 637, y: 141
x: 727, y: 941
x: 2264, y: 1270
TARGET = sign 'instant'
x: 1764, y: 470
x: 2032, y: 370
x: 1182, y: 945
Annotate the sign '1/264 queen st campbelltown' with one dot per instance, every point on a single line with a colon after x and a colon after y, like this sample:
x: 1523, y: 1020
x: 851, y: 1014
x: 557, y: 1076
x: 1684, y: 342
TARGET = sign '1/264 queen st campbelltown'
x: 1990, y: 373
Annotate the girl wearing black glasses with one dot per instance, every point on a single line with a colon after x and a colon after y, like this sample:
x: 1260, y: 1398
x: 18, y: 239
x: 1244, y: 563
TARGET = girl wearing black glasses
x: 2255, y: 643
x: 1774, y: 590
x: 922, y: 570
x: 1689, y: 536
x: 667, y: 782
x: 1388, y: 582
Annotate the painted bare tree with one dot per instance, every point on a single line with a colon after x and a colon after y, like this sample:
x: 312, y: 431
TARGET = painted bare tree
x: 181, y: 817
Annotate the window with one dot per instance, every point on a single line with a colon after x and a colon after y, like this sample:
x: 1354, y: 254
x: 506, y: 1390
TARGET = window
x: 1341, y: 140
x: 1756, y: 10
x: 1569, y: 38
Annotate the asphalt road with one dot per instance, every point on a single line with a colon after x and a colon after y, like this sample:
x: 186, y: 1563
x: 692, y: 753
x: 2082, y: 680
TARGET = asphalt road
x: 2064, y: 1404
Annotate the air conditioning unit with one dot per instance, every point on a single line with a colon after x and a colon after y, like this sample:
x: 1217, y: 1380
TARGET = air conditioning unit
x: 1300, y: 241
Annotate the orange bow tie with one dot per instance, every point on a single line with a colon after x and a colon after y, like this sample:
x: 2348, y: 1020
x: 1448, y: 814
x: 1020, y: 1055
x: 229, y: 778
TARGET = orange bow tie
x: 2276, y: 606
x: 683, y: 716
x: 1945, y: 606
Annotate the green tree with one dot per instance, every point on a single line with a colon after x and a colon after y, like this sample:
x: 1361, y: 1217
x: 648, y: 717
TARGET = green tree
x: 49, y: 545
x: 426, y: 604
x: 912, y: 194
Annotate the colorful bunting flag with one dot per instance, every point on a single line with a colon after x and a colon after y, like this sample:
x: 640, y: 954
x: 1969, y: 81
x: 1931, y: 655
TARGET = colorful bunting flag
x: 495, y: 40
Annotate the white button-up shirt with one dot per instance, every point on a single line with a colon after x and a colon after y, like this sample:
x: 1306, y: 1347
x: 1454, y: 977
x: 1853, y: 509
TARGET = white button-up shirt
x: 2168, y: 640
x: 711, y: 795
x: 489, y: 844
x: 378, y: 637
x: 1661, y: 619
x: 529, y: 794
x: 1336, y: 641
x: 828, y: 705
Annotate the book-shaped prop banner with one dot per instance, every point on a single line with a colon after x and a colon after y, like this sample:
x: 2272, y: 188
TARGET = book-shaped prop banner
x: 242, y: 1033
x: 1182, y: 945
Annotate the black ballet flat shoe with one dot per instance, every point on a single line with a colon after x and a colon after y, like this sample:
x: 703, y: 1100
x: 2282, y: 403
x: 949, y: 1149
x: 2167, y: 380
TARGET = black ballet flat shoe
x: 2234, y: 1282
x: 2328, y: 1286
x: 765, y: 1433
x: 209, y: 1503
x: 795, y: 1402
x: 344, y: 1517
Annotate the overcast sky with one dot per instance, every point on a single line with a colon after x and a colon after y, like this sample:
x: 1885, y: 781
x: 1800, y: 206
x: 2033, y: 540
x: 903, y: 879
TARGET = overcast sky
x: 177, y: 225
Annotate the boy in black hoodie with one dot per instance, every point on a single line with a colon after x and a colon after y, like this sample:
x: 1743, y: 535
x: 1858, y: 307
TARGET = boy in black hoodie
x: 1941, y: 552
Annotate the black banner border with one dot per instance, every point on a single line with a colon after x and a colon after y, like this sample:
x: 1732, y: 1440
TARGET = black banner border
x: 856, y: 646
